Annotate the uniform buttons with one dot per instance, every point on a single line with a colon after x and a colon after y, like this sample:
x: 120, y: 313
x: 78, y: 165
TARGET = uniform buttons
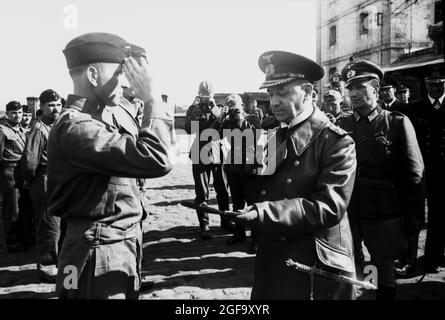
x: 296, y: 163
x: 263, y: 192
x: 288, y: 180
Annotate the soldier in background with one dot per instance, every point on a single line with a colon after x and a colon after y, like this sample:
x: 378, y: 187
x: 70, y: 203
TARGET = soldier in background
x: 337, y: 83
x: 332, y: 105
x: 404, y: 94
x: 387, y: 95
x: 12, y: 144
x: 240, y: 173
x: 26, y: 119
x: 26, y: 212
x: 205, y: 113
x: 428, y: 116
x: 253, y: 114
x: 34, y: 167
x: 388, y: 194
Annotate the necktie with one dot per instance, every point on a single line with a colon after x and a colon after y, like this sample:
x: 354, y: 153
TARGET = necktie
x: 436, y: 104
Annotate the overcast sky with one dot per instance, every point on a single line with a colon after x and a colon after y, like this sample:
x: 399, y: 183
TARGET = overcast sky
x: 187, y: 41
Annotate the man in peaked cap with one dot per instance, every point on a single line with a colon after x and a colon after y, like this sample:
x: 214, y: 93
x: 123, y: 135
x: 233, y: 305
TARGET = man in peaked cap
x: 387, y: 95
x: 12, y: 143
x: 34, y: 166
x: 299, y: 210
x: 337, y: 83
x: 404, y: 93
x: 388, y: 192
x: 428, y: 116
x: 93, y: 168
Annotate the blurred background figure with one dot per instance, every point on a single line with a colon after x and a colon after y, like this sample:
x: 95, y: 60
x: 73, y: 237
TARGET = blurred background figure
x: 253, y: 114
x: 315, y: 96
x: 337, y: 83
x: 12, y: 143
x: 332, y: 105
x: 205, y: 113
x: 387, y: 95
x: 26, y: 119
x: 239, y: 170
x: 404, y: 94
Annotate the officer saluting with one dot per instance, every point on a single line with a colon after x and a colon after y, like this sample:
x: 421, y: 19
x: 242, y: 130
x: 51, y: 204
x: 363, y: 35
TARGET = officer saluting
x: 300, y: 210
x: 92, y: 169
x: 389, y: 183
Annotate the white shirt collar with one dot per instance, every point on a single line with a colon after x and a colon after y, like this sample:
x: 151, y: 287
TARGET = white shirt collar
x: 440, y: 99
x: 298, y: 119
x: 390, y: 104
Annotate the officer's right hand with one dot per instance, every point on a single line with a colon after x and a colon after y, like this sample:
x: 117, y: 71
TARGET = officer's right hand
x: 139, y: 78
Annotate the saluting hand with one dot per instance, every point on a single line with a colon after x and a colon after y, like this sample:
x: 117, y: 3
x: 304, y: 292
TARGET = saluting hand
x: 139, y: 78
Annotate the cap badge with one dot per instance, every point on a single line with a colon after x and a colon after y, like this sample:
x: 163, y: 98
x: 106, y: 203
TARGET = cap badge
x: 270, y: 69
x: 350, y: 73
x: 336, y: 79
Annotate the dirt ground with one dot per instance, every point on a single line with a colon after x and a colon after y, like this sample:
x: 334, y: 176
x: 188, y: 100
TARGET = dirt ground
x: 177, y: 264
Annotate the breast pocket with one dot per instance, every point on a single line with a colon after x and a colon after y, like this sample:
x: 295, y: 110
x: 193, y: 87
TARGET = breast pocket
x: 14, y: 143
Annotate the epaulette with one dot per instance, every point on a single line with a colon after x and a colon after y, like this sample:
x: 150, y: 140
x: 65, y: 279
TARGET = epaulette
x: 337, y: 129
x: 398, y: 113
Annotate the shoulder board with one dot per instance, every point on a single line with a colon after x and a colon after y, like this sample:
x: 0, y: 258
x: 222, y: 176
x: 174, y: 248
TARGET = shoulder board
x: 398, y: 114
x: 336, y: 129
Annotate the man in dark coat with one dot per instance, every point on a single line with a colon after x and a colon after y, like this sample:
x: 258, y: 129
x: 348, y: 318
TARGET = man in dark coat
x: 300, y: 207
x: 428, y: 116
x: 388, y: 191
x: 387, y: 95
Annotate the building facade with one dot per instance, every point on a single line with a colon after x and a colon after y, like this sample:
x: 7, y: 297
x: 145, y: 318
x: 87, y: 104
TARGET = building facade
x: 376, y: 30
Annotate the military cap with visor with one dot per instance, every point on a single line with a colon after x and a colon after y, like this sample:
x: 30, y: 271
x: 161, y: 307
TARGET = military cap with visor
x: 281, y: 68
x: 388, y: 83
x: 361, y: 70
x: 435, y: 77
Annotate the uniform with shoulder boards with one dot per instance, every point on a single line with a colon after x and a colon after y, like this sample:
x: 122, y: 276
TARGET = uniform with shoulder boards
x: 428, y: 117
x: 388, y: 196
x: 12, y: 143
x: 299, y: 209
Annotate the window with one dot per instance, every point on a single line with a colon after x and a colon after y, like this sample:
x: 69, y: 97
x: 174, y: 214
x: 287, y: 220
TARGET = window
x: 364, y: 23
x: 332, y: 35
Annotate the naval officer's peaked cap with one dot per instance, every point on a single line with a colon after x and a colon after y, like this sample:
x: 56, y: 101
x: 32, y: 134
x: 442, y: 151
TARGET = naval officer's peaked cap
x: 281, y: 67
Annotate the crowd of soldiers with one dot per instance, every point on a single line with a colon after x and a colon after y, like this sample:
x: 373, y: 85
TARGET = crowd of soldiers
x: 352, y: 169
